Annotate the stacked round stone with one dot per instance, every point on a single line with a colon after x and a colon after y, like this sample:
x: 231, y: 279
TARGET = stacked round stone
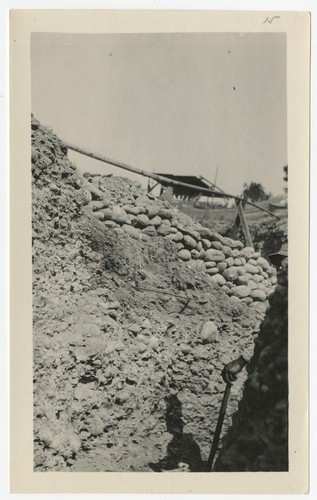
x: 240, y: 271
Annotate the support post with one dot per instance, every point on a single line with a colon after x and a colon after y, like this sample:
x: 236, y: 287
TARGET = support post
x: 244, y: 224
x: 236, y: 224
x: 150, y: 189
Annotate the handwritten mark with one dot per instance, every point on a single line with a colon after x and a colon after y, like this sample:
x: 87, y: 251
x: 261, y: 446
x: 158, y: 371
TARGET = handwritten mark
x: 271, y: 19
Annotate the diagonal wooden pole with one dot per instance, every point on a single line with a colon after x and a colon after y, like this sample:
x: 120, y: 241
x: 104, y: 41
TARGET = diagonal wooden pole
x: 161, y: 179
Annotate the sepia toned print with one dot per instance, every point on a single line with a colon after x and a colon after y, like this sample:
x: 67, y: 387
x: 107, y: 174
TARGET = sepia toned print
x: 141, y: 296
x: 159, y: 254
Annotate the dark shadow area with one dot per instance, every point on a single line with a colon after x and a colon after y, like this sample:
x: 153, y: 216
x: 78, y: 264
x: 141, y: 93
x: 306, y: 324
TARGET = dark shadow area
x: 183, y: 452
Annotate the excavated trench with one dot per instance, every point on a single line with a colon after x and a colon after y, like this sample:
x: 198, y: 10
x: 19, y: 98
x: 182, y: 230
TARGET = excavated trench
x: 125, y: 377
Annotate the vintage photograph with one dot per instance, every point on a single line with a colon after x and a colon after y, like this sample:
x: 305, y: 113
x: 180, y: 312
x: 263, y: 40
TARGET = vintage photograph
x: 160, y: 252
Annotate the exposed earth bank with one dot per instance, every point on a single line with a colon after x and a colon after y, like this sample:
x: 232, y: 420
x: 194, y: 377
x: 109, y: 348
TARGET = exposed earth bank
x: 125, y: 378
x: 258, y: 438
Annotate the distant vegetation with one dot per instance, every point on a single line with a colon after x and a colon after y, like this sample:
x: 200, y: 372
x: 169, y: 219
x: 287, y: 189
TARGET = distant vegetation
x: 255, y: 192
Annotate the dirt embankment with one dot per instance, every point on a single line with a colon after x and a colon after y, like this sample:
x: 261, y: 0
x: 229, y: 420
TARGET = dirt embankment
x: 258, y: 439
x: 124, y: 379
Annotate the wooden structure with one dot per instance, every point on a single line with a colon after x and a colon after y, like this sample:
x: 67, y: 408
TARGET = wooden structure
x: 172, y: 180
x: 158, y: 178
x: 186, y: 193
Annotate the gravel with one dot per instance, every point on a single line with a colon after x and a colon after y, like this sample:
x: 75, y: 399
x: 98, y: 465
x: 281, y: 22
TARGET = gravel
x: 117, y: 315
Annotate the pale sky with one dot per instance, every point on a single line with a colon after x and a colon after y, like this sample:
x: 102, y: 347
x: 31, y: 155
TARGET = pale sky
x: 170, y: 103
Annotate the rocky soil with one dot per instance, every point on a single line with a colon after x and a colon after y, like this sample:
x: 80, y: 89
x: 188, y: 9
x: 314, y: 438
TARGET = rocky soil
x: 267, y: 233
x: 127, y: 373
x: 258, y: 438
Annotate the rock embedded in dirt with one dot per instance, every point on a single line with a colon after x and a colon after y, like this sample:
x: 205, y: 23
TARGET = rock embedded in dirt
x: 197, y: 265
x: 205, y: 232
x: 184, y: 254
x: 165, y: 228
x: 230, y: 274
x: 165, y: 214
x: 206, y: 243
x: 226, y: 250
x: 156, y: 221
x: 260, y: 306
x: 142, y: 347
x: 222, y: 266
x: 234, y: 299
x: 210, y: 264
x: 252, y: 284
x: 251, y: 269
x: 256, y: 278
x: 179, y: 245
x: 134, y: 328
x: 118, y: 215
x: 133, y: 210
x: 213, y: 271
x: 95, y: 192
x: 88, y: 330
x: 247, y: 300
x: 217, y: 278
x: 142, y: 220
x: 258, y: 294
x: 247, y: 252
x: 263, y: 263
x: 99, y: 215
x: 141, y: 200
x: 189, y: 242
x: 241, y: 291
x: 107, y: 213
x: 236, y: 253
x: 122, y: 396
x: 230, y: 261
x: 154, y: 343
x: 152, y: 210
x: 46, y: 436
x: 216, y: 245
x: 150, y: 231
x: 97, y: 205
x: 232, y: 243
x: 96, y: 426
x: 185, y: 348
x: 242, y: 280
x: 132, y: 231
x: 111, y: 223
x: 195, y: 254
x: 217, y: 237
x: 214, y: 255
x: 209, y: 332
